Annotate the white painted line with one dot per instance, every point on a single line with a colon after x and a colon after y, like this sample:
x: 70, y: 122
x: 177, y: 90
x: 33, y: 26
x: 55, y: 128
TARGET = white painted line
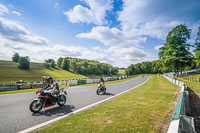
x: 76, y: 111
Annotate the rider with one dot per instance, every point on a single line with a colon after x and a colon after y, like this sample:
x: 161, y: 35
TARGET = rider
x: 51, y: 86
x: 102, y: 82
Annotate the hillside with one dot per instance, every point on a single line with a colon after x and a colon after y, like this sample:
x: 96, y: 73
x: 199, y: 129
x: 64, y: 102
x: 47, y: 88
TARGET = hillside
x: 9, y: 72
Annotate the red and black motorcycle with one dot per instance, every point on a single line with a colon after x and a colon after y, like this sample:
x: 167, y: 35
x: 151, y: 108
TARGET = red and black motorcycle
x: 101, y: 89
x: 48, y: 98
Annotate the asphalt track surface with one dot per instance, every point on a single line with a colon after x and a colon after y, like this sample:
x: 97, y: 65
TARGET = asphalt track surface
x: 15, y: 115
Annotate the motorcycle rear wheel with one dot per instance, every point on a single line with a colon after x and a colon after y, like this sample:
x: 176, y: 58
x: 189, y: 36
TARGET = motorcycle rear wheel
x: 35, y: 107
x: 62, y: 100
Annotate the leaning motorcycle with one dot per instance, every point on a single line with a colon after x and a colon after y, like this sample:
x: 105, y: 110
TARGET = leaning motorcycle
x: 101, y: 89
x: 48, y: 98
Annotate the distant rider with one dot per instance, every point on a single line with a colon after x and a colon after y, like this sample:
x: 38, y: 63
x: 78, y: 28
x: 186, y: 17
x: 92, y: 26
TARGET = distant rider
x: 102, y: 82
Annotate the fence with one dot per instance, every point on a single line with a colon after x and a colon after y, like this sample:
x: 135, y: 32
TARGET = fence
x: 181, y: 121
x: 191, y: 78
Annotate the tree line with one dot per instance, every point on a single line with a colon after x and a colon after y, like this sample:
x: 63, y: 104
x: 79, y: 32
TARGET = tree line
x: 86, y: 67
x: 175, y: 55
x: 145, y: 68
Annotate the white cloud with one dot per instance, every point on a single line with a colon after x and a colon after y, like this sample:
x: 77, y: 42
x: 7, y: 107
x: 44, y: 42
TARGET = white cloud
x: 94, y: 14
x: 3, y: 10
x: 12, y: 30
x: 16, y: 13
x: 136, y: 19
x: 112, y: 37
x: 158, y: 47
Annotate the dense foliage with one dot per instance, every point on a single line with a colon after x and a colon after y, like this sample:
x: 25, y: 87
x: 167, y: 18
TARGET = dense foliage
x: 24, y: 63
x: 16, y: 57
x: 145, y: 68
x: 197, y: 49
x: 175, y: 53
x: 86, y: 67
x: 50, y: 63
x: 65, y: 64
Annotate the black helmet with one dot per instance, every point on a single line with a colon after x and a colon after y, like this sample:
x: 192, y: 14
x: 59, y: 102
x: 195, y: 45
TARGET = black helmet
x: 50, y: 80
x: 101, y: 78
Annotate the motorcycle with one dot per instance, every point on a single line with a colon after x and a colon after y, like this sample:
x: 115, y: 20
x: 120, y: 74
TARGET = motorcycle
x: 48, y: 98
x: 101, y: 89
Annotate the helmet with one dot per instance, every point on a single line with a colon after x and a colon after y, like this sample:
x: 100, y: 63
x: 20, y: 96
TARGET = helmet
x: 50, y: 80
x: 101, y: 78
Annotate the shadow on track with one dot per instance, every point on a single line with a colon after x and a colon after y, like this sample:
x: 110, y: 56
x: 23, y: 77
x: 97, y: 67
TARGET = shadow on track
x: 109, y: 94
x: 56, y: 111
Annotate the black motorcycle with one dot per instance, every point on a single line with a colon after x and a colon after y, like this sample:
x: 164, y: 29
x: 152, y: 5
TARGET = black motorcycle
x: 48, y: 98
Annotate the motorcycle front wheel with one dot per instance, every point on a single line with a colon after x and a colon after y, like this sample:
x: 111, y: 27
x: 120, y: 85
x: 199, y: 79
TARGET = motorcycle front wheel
x: 35, y: 107
x: 98, y: 91
x: 62, y: 100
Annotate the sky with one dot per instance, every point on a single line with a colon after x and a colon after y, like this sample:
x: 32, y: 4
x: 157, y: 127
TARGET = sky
x: 117, y: 32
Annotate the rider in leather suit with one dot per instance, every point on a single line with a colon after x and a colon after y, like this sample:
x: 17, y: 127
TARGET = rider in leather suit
x: 51, y: 87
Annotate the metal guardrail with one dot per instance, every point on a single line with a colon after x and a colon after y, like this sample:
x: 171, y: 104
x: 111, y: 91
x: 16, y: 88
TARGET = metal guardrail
x: 181, y: 121
x: 31, y: 85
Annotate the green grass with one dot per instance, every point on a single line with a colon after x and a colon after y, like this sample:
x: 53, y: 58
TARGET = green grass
x: 195, y: 86
x: 9, y: 73
x: 121, y: 71
x: 143, y: 109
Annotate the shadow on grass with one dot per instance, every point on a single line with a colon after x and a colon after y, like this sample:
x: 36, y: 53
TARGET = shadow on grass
x: 195, y: 108
x: 55, y: 111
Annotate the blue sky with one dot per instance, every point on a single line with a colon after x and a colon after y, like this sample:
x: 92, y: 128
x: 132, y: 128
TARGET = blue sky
x: 118, y: 32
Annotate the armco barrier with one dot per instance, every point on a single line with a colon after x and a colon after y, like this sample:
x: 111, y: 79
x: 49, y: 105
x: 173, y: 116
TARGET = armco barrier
x: 73, y: 82
x: 80, y: 82
x: 7, y: 87
x: 89, y: 81
x: 181, y: 121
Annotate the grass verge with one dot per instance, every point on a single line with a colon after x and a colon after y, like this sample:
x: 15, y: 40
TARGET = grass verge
x: 143, y: 109
x: 195, y: 86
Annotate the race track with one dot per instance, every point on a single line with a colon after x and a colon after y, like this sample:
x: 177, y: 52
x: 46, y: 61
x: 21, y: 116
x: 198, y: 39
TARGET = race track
x: 15, y: 115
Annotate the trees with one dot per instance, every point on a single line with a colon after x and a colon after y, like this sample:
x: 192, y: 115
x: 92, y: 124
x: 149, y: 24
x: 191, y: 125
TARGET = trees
x: 24, y: 63
x: 86, y: 67
x: 197, y: 49
x: 16, y: 57
x: 65, y: 64
x: 148, y: 67
x: 130, y: 70
x: 50, y: 63
x: 59, y: 62
x: 175, y: 53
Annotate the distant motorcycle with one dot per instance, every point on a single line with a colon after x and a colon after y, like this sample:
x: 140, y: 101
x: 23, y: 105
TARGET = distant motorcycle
x: 101, y: 89
x: 48, y: 98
